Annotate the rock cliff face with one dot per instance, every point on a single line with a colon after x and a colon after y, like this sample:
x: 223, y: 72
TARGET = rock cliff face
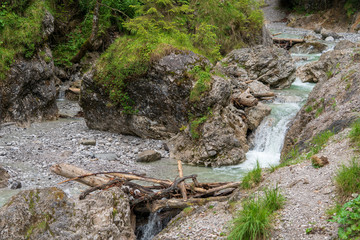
x: 28, y: 93
x: 161, y: 98
x: 333, y: 104
x: 50, y: 214
x: 272, y: 66
x: 210, y: 129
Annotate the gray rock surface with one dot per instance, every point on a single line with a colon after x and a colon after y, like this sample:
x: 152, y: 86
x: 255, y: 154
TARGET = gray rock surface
x: 161, y: 98
x: 272, y: 66
x: 49, y: 214
x: 333, y: 104
x: 148, y: 156
x: 28, y: 93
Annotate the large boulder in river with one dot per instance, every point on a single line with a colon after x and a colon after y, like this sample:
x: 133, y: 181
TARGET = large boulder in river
x: 272, y: 66
x: 160, y: 97
x: 50, y: 214
x: 333, y: 104
x: 308, y: 48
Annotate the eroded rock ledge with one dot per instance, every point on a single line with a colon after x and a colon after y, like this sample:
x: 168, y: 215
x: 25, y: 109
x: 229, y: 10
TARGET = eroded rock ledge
x: 333, y: 104
x: 207, y: 127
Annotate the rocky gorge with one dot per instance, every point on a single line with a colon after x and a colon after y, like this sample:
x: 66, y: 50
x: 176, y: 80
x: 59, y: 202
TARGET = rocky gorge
x: 188, y: 109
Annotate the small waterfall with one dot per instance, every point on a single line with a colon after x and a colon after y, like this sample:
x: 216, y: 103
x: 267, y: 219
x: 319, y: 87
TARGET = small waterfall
x: 61, y: 95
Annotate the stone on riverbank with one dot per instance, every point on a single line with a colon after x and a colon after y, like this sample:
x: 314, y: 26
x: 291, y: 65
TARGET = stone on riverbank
x: 4, y: 178
x: 49, y: 214
x: 148, y: 156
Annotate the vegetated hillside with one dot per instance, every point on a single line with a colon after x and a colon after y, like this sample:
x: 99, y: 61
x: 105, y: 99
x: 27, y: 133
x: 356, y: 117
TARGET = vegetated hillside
x: 309, y: 6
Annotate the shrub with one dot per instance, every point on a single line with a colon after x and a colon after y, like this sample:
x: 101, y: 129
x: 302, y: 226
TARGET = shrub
x: 252, y: 178
x: 254, y: 221
x: 349, y: 218
x: 348, y: 179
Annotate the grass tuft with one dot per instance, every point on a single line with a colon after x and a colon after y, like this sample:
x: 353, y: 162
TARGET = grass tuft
x: 254, y: 221
x: 252, y: 178
x: 348, y: 179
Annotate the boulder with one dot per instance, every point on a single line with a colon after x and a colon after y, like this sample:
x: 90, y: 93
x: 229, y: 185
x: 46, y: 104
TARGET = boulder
x: 308, y: 48
x: 148, y: 156
x: 319, y: 161
x: 161, y: 98
x: 327, y: 66
x: 334, y: 102
x: 4, y: 178
x: 345, y: 44
x: 49, y: 214
x: 272, y: 66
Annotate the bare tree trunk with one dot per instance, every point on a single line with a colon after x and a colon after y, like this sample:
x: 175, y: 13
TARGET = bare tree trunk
x: 88, y: 45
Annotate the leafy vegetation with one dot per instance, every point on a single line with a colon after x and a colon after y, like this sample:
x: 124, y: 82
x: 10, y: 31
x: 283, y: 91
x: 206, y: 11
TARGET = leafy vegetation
x: 252, y: 178
x: 254, y: 221
x: 349, y: 218
x: 20, y: 31
x: 317, y: 143
x: 169, y: 25
x: 348, y: 179
x: 203, y: 82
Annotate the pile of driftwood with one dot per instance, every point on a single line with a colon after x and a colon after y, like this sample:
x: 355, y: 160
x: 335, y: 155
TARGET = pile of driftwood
x: 156, y: 194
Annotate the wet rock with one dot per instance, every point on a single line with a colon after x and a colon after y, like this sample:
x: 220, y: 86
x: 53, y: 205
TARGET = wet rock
x: 308, y: 48
x: 148, y: 156
x: 272, y: 66
x: 14, y: 184
x: 161, y: 98
x: 329, y: 39
x: 327, y: 34
x: 334, y: 102
x: 49, y: 214
x: 256, y: 114
x: 4, y: 177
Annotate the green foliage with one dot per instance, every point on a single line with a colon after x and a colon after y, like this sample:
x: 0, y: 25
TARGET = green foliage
x: 20, y: 31
x: 329, y: 74
x: 348, y: 179
x: 203, y: 82
x: 194, y: 126
x: 351, y: 7
x: 319, y: 141
x: 254, y: 221
x: 319, y: 111
x: 308, y: 109
x: 355, y: 134
x: 252, y: 178
x: 204, y: 27
x: 349, y: 218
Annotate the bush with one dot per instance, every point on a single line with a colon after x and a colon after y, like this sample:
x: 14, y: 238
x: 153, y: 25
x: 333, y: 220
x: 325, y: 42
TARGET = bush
x: 349, y: 218
x: 348, y: 179
x: 254, y: 221
x: 252, y: 178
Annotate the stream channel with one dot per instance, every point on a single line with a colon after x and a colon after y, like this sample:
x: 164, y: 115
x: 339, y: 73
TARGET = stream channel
x: 268, y: 142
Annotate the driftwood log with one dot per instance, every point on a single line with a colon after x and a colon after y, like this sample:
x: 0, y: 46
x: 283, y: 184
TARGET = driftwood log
x: 150, y: 198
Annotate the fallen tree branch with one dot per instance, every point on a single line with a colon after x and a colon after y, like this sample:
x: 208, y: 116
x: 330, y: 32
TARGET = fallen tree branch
x: 101, y: 187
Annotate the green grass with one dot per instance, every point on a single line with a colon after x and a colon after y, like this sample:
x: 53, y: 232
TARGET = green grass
x: 347, y: 179
x: 319, y: 141
x: 252, y: 178
x: 20, y: 31
x: 355, y: 134
x: 254, y: 221
x: 203, y: 82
